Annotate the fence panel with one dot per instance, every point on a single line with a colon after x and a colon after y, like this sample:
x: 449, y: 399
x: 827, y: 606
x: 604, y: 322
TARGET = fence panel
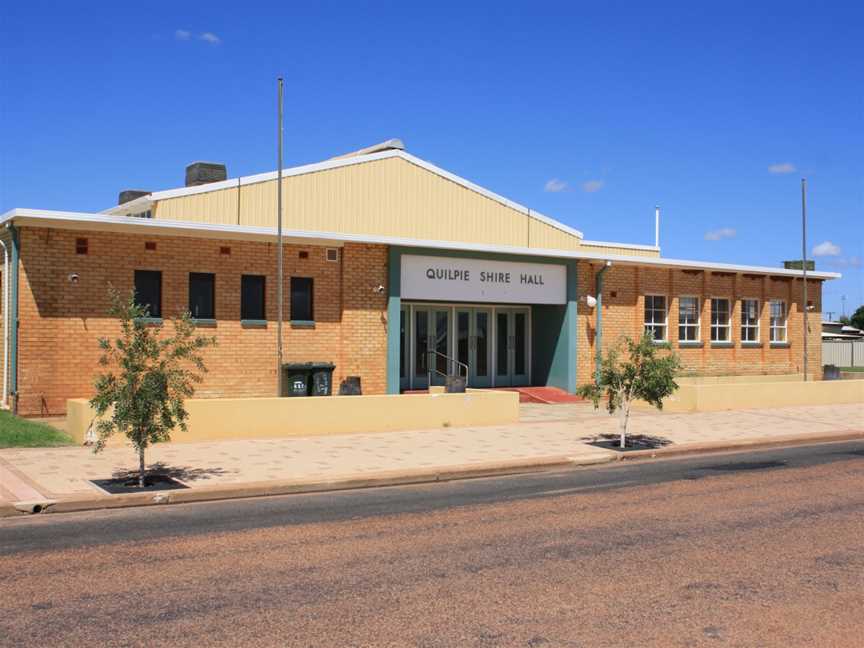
x: 843, y: 353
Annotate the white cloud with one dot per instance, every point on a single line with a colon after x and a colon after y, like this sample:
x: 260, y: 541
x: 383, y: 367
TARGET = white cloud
x: 826, y: 248
x: 554, y: 185
x: 720, y: 234
x: 782, y: 167
x: 182, y: 35
x: 592, y: 186
x: 210, y: 37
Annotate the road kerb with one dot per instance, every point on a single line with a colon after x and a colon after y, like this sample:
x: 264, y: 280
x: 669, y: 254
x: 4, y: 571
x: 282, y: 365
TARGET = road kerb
x: 336, y: 483
x: 742, y: 444
x: 402, y: 478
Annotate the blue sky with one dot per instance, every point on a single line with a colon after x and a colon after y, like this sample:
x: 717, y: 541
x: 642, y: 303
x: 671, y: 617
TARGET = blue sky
x: 591, y: 113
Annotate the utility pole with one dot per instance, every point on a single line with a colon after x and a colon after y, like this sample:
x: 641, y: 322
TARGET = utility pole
x: 804, y: 265
x: 279, y: 269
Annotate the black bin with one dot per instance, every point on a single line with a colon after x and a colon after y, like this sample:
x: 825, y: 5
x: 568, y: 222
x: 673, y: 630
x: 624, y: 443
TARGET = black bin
x: 830, y: 372
x: 296, y: 378
x: 322, y: 379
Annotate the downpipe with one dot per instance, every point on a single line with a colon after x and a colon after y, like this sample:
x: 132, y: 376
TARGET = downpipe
x: 598, y: 325
x: 4, y: 404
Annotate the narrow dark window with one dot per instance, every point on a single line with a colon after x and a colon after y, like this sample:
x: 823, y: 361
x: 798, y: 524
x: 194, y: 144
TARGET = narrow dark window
x: 202, y: 295
x: 252, y: 297
x: 81, y: 246
x: 301, y: 300
x: 148, y: 291
x: 150, y: 245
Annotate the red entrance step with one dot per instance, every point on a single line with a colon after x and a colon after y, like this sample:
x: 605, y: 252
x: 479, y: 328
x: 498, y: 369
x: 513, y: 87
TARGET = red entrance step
x: 545, y: 395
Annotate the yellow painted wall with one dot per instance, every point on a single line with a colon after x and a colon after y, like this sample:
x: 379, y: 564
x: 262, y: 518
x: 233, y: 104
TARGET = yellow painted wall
x: 707, y: 397
x: 387, y: 197
x: 212, y: 419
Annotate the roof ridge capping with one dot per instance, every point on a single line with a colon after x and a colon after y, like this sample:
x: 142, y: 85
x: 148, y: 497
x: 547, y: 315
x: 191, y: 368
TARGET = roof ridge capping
x: 387, y: 145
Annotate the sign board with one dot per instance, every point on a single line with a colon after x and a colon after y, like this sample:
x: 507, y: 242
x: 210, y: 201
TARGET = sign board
x: 479, y: 280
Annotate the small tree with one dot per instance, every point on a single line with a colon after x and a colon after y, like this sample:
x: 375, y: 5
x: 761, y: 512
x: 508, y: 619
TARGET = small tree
x: 644, y: 375
x: 147, y: 378
x: 857, y: 319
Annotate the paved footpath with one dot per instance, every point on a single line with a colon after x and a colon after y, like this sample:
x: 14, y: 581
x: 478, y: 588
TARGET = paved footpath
x: 544, y: 432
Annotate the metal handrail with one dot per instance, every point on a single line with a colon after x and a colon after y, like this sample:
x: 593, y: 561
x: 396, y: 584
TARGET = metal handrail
x: 433, y: 366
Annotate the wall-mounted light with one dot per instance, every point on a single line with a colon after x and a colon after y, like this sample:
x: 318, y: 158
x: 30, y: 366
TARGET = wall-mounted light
x: 74, y: 278
x: 590, y: 301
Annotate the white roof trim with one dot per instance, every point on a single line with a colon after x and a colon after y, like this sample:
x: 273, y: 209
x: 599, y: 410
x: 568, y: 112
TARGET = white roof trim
x: 335, y: 164
x: 632, y: 246
x: 78, y: 220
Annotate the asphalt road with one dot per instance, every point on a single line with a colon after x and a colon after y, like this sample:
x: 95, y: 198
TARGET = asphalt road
x: 750, y: 549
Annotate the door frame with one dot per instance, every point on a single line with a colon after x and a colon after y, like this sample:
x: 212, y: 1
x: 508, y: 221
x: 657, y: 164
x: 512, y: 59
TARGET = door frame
x: 410, y: 307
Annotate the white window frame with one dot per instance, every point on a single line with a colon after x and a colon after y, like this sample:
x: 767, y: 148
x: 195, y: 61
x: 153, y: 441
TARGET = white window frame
x: 718, y: 327
x: 697, y: 325
x: 775, y: 329
x: 650, y: 326
x: 751, y: 327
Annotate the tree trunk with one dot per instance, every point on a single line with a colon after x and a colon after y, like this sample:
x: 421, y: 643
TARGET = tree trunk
x: 625, y: 419
x: 141, y: 481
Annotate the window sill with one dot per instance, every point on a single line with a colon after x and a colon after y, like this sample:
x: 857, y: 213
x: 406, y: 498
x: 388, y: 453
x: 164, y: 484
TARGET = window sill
x: 779, y: 345
x: 722, y: 345
x: 303, y: 324
x: 690, y: 344
x: 149, y: 321
x: 249, y: 323
x: 660, y: 342
x: 204, y: 322
x: 751, y: 345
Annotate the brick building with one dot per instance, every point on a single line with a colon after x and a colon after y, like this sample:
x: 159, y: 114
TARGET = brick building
x: 392, y: 267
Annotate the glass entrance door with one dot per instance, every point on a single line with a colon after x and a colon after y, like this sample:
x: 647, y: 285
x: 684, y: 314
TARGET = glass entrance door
x: 431, y: 346
x: 473, y: 344
x: 511, y: 347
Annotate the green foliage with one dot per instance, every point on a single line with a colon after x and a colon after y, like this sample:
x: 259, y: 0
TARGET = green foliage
x: 147, y: 377
x: 857, y: 319
x: 645, y: 374
x: 18, y: 432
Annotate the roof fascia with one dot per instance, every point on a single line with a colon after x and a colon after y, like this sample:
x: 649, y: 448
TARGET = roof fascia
x: 79, y: 220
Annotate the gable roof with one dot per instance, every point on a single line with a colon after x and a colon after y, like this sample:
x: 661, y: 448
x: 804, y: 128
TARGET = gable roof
x: 145, y: 202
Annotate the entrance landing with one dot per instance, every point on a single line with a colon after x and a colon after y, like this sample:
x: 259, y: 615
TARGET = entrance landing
x: 544, y: 395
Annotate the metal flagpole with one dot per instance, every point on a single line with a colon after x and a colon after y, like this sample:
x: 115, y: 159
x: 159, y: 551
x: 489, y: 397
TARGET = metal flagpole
x: 279, y: 270
x: 804, y: 265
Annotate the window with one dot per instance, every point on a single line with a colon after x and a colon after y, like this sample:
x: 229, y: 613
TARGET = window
x: 688, y: 319
x: 252, y: 297
x: 749, y: 320
x: 777, y: 331
x: 148, y: 291
x: 655, y: 317
x: 721, y: 328
x: 81, y: 246
x: 202, y: 295
x: 301, y: 300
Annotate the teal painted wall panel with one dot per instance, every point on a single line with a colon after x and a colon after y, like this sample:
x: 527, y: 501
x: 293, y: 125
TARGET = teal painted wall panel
x: 553, y: 327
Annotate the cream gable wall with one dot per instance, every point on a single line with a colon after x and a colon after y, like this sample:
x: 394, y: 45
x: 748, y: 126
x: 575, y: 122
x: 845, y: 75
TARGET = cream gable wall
x: 390, y: 196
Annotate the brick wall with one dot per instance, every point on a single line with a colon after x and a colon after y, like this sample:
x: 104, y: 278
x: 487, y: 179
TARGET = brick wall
x: 623, y: 315
x: 60, y: 322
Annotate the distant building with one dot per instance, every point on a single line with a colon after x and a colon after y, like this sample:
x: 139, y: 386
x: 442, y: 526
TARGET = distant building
x: 840, y: 331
